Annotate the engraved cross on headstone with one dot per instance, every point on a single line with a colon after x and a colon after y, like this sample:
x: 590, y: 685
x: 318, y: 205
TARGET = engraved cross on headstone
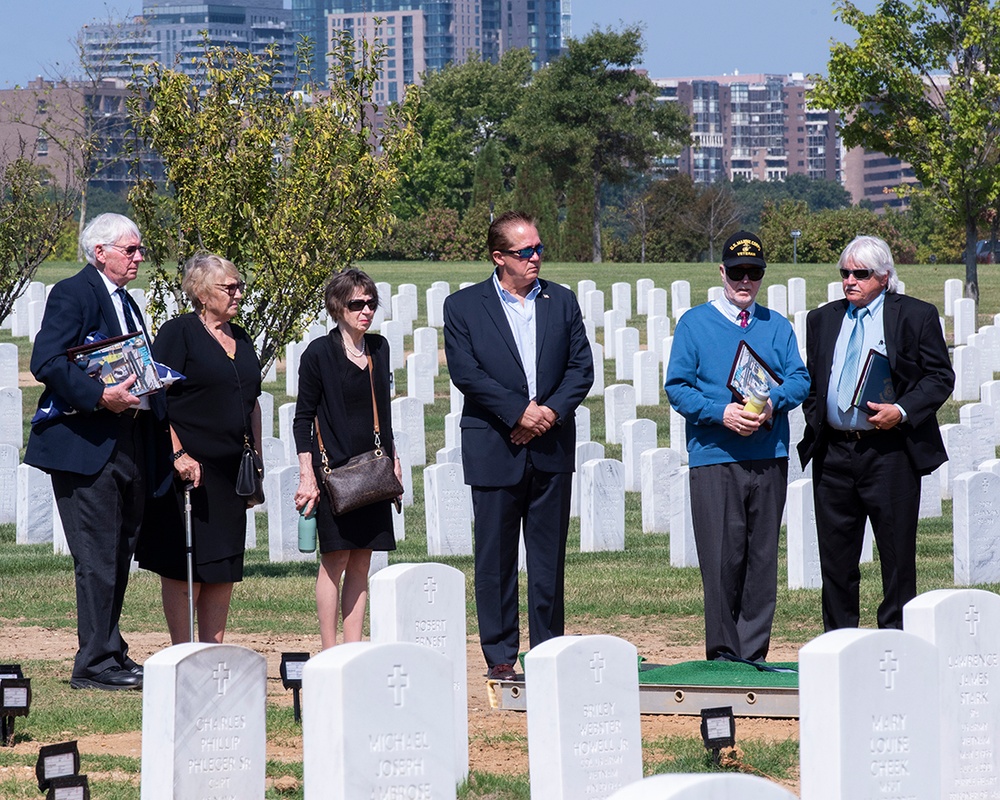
x: 597, y: 665
x: 430, y: 587
x: 972, y: 617
x: 889, y: 665
x: 398, y: 681
x: 221, y: 676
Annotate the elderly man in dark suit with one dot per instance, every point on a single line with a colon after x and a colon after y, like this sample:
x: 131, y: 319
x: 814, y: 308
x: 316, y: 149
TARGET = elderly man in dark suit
x: 518, y: 351
x: 100, y: 451
x: 867, y: 462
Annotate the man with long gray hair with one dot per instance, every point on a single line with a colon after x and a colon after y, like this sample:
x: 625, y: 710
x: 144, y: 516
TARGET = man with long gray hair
x: 871, y: 448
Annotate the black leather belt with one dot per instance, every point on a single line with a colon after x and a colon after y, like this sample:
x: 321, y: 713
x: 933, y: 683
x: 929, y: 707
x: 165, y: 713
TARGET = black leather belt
x: 850, y: 436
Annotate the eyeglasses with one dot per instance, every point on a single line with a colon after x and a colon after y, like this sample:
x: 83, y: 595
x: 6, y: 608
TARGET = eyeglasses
x: 859, y: 274
x: 737, y: 274
x: 526, y: 252
x: 232, y: 288
x: 130, y: 250
x: 357, y: 305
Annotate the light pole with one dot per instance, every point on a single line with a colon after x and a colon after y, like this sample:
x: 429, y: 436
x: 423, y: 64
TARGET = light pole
x: 795, y: 242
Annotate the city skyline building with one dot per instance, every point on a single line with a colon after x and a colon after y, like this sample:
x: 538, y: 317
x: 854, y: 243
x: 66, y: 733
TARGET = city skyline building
x: 174, y: 32
x: 754, y: 127
x: 452, y: 29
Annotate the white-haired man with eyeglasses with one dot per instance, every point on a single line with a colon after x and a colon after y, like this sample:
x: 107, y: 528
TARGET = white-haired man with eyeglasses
x: 101, y: 450
x: 869, y: 456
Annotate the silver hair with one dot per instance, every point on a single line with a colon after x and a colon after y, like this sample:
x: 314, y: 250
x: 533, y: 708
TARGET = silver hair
x: 106, y: 229
x: 870, y: 252
x: 200, y: 271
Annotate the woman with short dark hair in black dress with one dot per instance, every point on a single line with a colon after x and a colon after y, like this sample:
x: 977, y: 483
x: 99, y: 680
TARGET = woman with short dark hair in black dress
x: 335, y: 389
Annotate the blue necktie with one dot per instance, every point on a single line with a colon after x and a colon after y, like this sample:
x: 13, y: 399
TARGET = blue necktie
x: 852, y: 361
x: 129, y: 319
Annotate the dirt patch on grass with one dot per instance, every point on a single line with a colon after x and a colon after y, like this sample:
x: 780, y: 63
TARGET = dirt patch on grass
x: 498, y: 740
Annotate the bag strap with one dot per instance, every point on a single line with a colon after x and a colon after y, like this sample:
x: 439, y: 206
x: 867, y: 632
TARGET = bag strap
x: 378, y: 438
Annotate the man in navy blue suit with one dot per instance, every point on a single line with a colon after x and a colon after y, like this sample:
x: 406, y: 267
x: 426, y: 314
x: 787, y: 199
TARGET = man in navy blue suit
x: 100, y: 454
x: 518, y: 351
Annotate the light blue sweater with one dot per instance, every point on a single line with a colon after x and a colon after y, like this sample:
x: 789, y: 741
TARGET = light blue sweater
x: 704, y: 345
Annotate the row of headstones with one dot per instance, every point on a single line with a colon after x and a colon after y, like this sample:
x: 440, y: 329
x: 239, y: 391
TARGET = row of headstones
x: 896, y: 714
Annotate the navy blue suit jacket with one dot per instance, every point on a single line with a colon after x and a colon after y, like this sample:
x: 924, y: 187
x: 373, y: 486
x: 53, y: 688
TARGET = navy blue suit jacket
x: 82, y: 442
x: 921, y: 375
x: 485, y: 366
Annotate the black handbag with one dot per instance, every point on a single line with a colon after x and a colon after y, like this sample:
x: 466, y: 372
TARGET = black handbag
x: 364, y: 479
x: 250, y: 478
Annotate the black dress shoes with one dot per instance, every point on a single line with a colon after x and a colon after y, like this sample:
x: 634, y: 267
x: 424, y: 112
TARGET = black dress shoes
x: 112, y: 679
x: 133, y: 667
x: 501, y: 672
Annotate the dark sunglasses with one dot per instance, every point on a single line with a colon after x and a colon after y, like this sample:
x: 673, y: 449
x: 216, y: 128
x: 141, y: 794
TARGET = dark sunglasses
x: 130, y: 250
x: 737, y: 274
x: 357, y: 305
x: 232, y: 288
x: 859, y: 274
x: 525, y: 252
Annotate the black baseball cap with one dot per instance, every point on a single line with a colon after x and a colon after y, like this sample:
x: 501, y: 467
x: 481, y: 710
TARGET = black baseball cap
x: 743, y: 249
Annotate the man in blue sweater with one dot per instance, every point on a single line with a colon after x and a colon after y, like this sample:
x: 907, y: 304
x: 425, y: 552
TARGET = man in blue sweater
x: 738, y: 459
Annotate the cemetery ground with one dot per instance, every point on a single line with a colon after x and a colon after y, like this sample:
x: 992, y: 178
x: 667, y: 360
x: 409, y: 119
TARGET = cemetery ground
x: 634, y: 594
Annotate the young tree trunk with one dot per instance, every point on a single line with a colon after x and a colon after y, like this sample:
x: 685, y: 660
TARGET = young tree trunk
x: 597, y: 217
x: 971, y: 268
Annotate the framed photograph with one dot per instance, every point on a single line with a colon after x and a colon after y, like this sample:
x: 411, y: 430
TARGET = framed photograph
x: 112, y: 360
x: 750, y: 371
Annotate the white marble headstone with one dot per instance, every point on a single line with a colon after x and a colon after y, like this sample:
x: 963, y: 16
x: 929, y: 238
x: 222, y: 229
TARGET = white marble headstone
x: 420, y: 377
x: 642, y: 289
x: 602, y: 506
x: 626, y: 346
x: 283, y: 519
x: 35, y: 506
x: 657, y: 468
x: 378, y: 723
x: 425, y: 604
x: 868, y: 722
x: 703, y: 787
x: 8, y: 365
x: 203, y: 708
x: 638, y: 435
x: 584, y: 738
x: 646, y: 378
x: 683, y: 551
x: 585, y: 451
x: 964, y: 627
x: 803, y: 545
x: 657, y: 303
x: 597, y: 354
x: 976, y: 513
x: 447, y: 511
x: 621, y: 298
x: 11, y: 416
x: 9, y: 460
x: 408, y: 418
x: 619, y: 408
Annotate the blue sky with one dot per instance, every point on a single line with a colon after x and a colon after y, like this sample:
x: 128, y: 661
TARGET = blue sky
x: 682, y: 38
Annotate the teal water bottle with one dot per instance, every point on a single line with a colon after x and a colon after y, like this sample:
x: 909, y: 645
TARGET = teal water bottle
x: 307, y: 531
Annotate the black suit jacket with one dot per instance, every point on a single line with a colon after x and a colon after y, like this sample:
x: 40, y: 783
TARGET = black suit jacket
x: 484, y: 364
x: 83, y: 442
x: 921, y: 374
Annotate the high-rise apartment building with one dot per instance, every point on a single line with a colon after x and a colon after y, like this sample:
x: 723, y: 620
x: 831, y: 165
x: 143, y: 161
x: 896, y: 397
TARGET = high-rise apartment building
x: 756, y: 127
x: 452, y: 29
x: 173, y: 33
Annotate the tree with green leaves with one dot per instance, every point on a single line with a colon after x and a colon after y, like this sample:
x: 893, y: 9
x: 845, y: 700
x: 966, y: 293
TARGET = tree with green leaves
x: 32, y: 211
x: 922, y: 83
x: 593, y: 117
x: 291, y: 187
x: 461, y: 114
